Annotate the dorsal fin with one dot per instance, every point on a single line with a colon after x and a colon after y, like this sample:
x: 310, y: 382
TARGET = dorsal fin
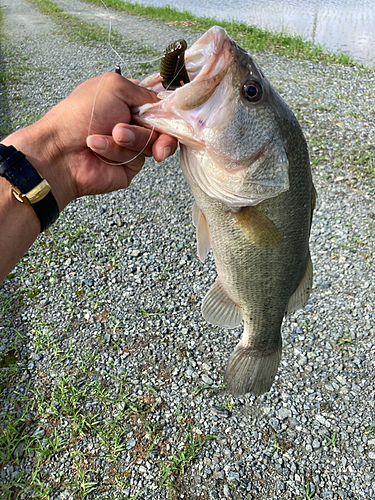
x: 302, y: 294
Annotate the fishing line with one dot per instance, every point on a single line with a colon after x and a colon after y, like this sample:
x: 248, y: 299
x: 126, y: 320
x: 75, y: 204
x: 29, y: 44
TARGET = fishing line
x: 126, y: 63
x: 115, y: 51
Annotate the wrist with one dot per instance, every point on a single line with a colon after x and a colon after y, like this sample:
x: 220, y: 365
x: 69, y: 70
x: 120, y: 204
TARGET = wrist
x: 40, y: 144
x: 19, y: 227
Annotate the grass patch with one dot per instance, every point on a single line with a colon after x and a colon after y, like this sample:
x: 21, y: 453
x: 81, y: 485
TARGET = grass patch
x: 185, y: 452
x: 251, y: 38
x: 86, y: 418
x: 74, y: 28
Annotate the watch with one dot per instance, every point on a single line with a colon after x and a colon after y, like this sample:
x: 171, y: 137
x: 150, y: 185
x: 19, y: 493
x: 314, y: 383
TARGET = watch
x: 28, y: 186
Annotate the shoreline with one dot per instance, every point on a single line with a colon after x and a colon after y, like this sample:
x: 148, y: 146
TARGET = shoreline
x: 250, y: 36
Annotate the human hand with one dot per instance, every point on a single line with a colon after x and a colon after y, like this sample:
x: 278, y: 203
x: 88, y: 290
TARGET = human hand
x: 133, y: 138
x: 99, y: 108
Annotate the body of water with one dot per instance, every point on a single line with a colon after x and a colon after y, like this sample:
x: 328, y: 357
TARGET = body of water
x: 346, y: 25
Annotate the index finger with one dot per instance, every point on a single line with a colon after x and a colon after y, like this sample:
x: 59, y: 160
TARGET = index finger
x: 134, y: 137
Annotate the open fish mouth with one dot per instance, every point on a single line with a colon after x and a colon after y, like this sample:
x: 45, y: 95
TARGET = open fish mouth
x: 230, y: 155
x: 206, y: 63
x: 208, y: 56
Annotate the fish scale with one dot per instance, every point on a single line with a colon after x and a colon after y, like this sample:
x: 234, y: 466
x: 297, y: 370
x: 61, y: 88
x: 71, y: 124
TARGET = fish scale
x: 248, y: 168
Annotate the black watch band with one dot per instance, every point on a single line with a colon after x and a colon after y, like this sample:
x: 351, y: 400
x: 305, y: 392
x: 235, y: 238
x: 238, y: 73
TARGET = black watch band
x: 28, y: 185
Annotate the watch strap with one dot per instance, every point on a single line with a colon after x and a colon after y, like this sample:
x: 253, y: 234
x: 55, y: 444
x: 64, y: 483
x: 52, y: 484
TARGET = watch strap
x: 16, y: 169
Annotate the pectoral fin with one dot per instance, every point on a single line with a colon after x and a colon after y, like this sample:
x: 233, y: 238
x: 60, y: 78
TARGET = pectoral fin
x: 195, y: 214
x: 302, y: 294
x: 203, y: 237
x: 202, y: 233
x: 219, y: 309
x: 258, y: 227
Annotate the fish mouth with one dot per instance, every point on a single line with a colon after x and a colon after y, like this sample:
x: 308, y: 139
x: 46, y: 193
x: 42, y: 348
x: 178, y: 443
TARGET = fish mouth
x: 209, y: 55
x: 177, y: 112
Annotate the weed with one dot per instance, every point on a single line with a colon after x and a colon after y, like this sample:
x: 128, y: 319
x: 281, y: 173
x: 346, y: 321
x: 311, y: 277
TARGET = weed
x: 345, y: 341
x: 163, y: 274
x: 370, y: 429
x: 309, y: 495
x: 275, y: 447
x: 185, y: 453
x: 145, y: 313
x: 81, y: 485
x: 198, y: 389
x: 229, y: 404
x: 331, y: 441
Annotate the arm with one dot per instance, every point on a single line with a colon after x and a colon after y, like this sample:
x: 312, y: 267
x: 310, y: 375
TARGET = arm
x: 57, y: 147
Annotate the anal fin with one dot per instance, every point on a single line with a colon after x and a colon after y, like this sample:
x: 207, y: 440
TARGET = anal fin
x: 218, y: 309
x: 302, y: 294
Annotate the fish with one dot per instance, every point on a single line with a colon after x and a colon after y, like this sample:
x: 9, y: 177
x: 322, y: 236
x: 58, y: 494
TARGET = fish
x: 245, y: 158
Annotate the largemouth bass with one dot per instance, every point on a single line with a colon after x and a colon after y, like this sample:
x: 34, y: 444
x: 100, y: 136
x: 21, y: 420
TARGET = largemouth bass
x: 246, y: 160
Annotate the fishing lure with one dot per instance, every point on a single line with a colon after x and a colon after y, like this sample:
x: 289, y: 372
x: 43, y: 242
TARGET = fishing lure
x: 172, y: 66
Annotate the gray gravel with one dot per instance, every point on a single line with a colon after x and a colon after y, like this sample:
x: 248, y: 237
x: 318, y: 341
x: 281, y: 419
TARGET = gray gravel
x: 118, y: 288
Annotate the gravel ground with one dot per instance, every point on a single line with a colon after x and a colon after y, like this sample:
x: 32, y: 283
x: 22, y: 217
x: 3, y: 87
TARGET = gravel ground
x: 111, y: 380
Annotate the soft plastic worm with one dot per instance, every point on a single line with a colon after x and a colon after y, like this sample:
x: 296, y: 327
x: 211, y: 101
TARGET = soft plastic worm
x: 172, y: 66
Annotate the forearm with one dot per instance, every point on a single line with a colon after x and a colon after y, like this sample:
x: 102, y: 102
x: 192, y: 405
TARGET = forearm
x: 19, y: 224
x: 19, y: 227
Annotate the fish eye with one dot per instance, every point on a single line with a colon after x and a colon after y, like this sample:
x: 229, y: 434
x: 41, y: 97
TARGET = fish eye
x: 252, y: 91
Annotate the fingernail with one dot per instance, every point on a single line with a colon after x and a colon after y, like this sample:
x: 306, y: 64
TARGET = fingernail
x: 167, y: 152
x: 125, y: 136
x: 97, y: 143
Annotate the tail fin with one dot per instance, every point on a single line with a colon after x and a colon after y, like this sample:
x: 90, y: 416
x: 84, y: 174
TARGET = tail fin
x: 251, y: 370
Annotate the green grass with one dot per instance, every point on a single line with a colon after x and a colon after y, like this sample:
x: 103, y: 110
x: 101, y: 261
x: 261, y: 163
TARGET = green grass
x: 331, y: 441
x: 249, y: 37
x: 370, y: 429
x: 74, y: 28
x: 345, y: 341
x: 185, y: 452
x: 13, y: 74
x: 275, y: 447
x: 307, y: 494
